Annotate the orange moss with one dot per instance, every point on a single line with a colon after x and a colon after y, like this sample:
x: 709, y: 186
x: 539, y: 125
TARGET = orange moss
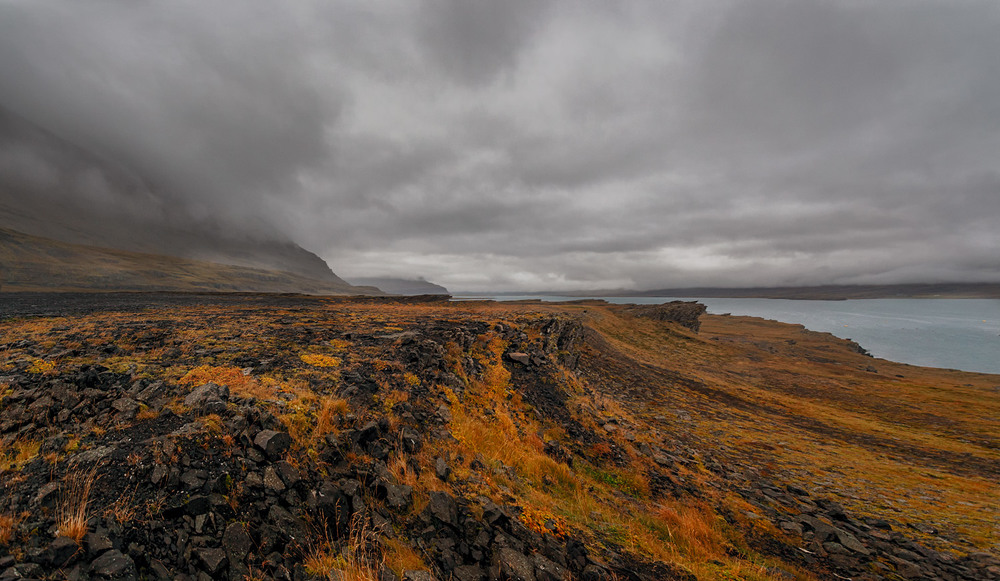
x: 232, y: 377
x: 319, y: 360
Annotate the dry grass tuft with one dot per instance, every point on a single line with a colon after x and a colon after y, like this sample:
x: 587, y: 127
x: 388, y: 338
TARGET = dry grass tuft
x: 356, y: 559
x: 213, y: 424
x: 311, y: 418
x: 329, y: 410
x: 7, y: 525
x: 122, y: 510
x: 694, y: 528
x: 147, y: 413
x: 400, y: 557
x: 74, y: 504
x: 394, y: 397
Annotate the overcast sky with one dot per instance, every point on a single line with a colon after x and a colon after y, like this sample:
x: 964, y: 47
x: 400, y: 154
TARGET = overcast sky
x: 548, y: 145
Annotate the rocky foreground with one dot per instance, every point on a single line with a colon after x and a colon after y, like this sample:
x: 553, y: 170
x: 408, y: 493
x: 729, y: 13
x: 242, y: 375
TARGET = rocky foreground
x: 378, y: 439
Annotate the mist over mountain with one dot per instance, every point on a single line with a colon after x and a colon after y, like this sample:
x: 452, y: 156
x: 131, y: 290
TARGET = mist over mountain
x: 400, y: 286
x: 53, y: 188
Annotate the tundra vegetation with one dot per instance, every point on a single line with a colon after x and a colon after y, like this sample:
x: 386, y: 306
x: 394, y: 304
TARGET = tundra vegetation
x: 314, y: 438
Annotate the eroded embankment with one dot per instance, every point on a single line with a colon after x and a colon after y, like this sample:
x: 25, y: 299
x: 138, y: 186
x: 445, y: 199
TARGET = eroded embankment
x: 802, y: 424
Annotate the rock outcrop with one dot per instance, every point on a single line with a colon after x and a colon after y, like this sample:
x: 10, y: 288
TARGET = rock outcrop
x: 684, y: 313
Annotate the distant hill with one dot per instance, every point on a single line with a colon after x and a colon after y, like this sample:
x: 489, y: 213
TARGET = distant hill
x: 401, y: 286
x: 33, y: 263
x: 52, y: 188
x: 984, y: 290
x: 835, y: 292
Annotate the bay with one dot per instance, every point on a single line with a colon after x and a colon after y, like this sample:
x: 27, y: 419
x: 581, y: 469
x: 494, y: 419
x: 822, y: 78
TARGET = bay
x: 949, y: 333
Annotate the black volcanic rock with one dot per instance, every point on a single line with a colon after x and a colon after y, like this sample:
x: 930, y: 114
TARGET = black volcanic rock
x: 683, y: 313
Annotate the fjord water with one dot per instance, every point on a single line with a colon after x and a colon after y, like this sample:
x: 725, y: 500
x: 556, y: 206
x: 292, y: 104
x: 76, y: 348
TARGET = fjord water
x: 950, y: 333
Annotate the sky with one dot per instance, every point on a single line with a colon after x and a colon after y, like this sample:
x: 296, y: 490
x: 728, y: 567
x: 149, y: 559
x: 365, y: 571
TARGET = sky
x: 527, y: 145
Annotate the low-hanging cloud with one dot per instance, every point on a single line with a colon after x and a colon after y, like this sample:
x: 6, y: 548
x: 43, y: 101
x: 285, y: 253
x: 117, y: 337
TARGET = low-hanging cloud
x: 547, y: 144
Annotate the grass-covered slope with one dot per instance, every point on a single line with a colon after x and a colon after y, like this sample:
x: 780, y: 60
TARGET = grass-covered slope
x: 377, y: 439
x: 32, y: 263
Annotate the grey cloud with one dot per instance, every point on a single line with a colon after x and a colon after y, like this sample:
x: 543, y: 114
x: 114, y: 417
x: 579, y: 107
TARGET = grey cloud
x: 475, y: 41
x: 543, y: 144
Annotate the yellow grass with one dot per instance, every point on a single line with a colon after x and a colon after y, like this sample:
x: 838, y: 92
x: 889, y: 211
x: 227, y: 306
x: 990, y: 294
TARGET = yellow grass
x: 319, y: 360
x: 313, y: 417
x: 39, y: 366
x: 353, y: 561
x: 238, y: 383
x: 147, y: 413
x: 400, y: 556
x: 694, y: 528
x: 326, y: 417
x: 16, y: 455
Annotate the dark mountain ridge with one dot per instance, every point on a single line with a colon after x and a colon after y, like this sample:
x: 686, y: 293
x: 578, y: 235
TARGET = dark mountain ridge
x: 33, y: 263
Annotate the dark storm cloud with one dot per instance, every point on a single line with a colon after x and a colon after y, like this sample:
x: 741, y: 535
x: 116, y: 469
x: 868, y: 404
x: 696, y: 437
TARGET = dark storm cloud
x: 548, y: 144
x: 214, y: 108
x: 473, y: 42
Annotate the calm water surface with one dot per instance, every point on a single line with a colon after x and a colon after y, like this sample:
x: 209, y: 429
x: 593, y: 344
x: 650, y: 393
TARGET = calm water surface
x: 952, y: 333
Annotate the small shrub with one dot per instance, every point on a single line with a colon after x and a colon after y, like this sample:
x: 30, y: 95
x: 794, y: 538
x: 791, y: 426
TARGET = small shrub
x: 543, y: 522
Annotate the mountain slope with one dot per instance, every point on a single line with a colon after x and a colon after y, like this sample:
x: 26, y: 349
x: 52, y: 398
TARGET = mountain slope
x: 52, y: 188
x: 32, y: 263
